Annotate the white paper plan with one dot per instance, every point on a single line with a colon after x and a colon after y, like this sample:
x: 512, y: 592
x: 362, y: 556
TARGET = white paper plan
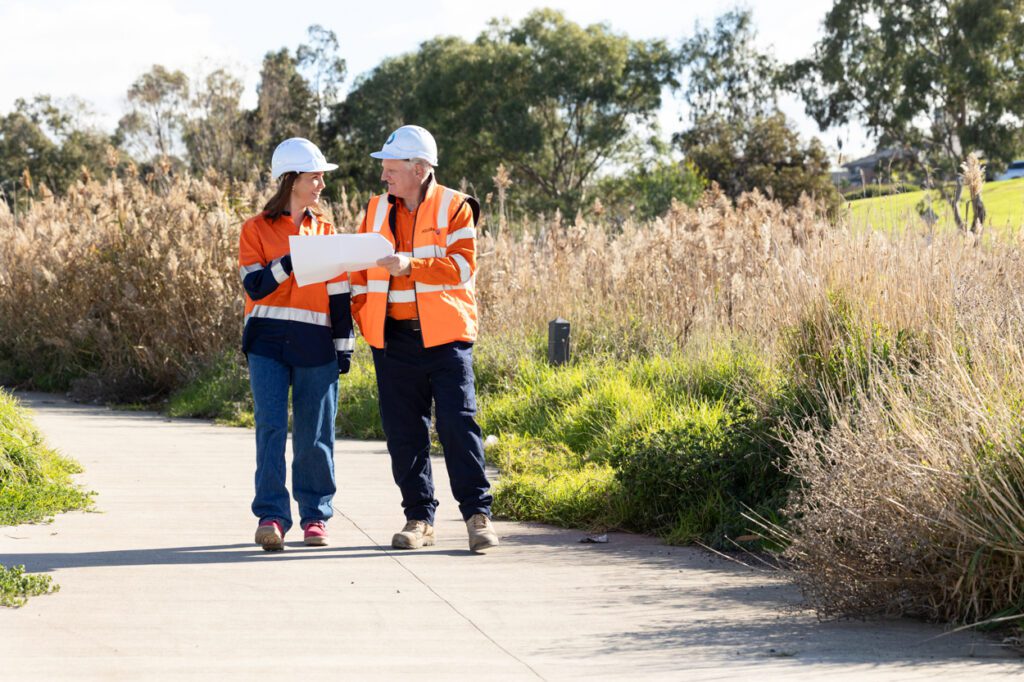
x: 320, y: 257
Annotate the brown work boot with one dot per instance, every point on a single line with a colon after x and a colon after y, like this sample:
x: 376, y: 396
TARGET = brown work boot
x: 481, y: 533
x: 416, y: 534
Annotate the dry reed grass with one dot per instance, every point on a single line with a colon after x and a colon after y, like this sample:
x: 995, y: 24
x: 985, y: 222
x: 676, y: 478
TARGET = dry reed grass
x: 910, y: 470
x: 121, y: 285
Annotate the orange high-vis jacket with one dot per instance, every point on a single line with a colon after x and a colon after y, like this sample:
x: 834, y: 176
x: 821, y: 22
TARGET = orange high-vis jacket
x: 302, y: 326
x: 440, y: 287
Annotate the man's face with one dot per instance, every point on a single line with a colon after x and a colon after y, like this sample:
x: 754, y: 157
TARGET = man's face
x: 403, y: 178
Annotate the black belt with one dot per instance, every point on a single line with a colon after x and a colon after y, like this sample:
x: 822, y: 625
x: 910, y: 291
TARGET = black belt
x: 402, y: 325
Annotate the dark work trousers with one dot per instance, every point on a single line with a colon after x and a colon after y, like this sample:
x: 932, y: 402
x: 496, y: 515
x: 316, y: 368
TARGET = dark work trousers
x: 409, y: 378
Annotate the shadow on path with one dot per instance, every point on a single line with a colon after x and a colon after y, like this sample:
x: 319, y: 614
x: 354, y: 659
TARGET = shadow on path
x: 204, y: 554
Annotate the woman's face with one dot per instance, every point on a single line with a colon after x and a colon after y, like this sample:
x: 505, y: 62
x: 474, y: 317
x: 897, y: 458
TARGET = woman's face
x: 307, y: 188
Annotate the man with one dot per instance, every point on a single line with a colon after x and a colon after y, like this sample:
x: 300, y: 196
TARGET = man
x: 417, y: 310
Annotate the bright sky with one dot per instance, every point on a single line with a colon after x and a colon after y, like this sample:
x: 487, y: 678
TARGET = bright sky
x: 95, y: 49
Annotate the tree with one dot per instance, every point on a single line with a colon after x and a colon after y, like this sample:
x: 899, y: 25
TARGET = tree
x: 550, y: 99
x: 214, y: 135
x: 764, y: 153
x: 319, y: 58
x: 942, y: 77
x: 738, y: 138
x: 647, y: 190
x: 52, y: 141
x: 285, y: 107
x: 157, y: 101
x: 725, y: 74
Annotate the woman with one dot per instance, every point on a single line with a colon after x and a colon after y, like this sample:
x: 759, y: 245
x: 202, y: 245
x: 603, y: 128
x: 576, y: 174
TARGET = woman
x: 295, y: 337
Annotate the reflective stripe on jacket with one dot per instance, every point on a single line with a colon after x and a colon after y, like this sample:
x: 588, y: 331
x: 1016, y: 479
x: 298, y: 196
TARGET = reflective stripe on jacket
x: 302, y: 326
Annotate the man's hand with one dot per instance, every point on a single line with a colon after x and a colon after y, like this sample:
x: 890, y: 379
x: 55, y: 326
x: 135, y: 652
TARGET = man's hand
x: 397, y: 265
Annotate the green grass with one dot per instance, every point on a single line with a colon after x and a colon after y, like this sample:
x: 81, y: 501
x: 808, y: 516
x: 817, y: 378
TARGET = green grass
x: 1004, y: 203
x: 35, y: 481
x: 16, y: 587
x: 221, y: 392
x: 680, y: 446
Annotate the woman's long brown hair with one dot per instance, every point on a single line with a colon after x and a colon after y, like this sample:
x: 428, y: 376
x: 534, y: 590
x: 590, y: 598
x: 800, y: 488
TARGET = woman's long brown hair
x: 280, y: 202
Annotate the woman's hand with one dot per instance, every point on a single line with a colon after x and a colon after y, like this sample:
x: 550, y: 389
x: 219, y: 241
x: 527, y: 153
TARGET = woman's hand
x: 397, y: 265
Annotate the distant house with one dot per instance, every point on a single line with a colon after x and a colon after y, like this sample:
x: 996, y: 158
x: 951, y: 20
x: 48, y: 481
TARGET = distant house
x: 869, y: 168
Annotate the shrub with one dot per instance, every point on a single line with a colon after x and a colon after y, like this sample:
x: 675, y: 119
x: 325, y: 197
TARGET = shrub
x: 35, y: 481
x: 16, y: 587
x: 692, y: 476
x: 548, y: 482
x: 221, y: 392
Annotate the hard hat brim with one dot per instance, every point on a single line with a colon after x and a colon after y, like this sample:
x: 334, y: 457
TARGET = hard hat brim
x: 399, y: 157
x: 305, y: 168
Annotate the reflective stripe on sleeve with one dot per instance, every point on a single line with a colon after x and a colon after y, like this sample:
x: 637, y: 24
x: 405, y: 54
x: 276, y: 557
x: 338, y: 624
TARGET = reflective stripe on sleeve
x: 245, y: 270
x: 358, y: 290
x: 345, y: 344
x: 335, y: 288
x: 402, y: 296
x: 407, y: 254
x: 444, y: 207
x: 272, y: 312
x: 278, y: 270
x: 464, y: 233
x: 464, y: 271
x: 378, y: 286
x: 431, y: 251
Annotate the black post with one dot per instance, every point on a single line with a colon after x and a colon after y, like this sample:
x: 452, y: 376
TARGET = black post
x: 558, y: 341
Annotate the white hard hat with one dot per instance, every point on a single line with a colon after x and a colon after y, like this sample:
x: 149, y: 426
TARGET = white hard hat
x: 297, y: 154
x: 409, y: 142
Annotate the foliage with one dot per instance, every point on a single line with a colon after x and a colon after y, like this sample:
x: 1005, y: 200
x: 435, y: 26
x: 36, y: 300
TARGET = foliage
x: 35, y: 481
x: 647, y: 446
x: 738, y: 138
x: 220, y: 392
x: 16, y: 587
x: 285, y: 107
x: 318, y: 57
x: 941, y: 77
x: 552, y: 100
x: 725, y: 74
x: 158, y: 102
x: 762, y: 153
x: 648, y: 190
x: 45, y: 142
x: 214, y: 133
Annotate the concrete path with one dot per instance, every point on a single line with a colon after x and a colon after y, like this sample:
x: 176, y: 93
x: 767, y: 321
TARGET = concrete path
x: 163, y: 583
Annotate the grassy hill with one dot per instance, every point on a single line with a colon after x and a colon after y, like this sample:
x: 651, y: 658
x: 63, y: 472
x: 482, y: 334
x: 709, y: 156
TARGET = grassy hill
x: 1004, y: 202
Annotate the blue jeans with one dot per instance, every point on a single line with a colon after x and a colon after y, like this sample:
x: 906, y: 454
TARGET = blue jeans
x: 314, y: 406
x: 410, y: 378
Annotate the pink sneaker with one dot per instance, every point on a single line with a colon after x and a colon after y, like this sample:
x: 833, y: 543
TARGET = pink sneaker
x: 315, y: 534
x: 269, y: 536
